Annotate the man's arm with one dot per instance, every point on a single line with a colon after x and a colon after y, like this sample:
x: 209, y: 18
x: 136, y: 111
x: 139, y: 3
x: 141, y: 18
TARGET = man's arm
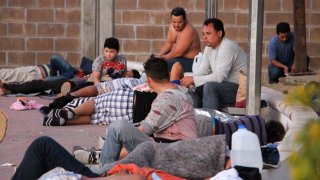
x: 221, y: 67
x: 279, y: 65
x: 272, y: 55
x: 169, y: 42
x: 95, y: 77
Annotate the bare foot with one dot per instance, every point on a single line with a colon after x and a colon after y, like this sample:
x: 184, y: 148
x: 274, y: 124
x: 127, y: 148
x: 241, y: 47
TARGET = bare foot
x: 2, y: 91
x: 1, y: 82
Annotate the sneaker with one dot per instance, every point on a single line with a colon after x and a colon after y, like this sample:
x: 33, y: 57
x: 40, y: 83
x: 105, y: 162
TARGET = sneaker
x: 86, y: 156
x: 65, y: 88
x: 270, y: 156
x: 101, y: 142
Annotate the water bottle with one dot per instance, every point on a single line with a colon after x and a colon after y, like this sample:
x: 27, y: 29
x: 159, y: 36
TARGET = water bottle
x: 155, y: 176
x: 196, y: 70
x: 198, y: 57
x: 245, y: 149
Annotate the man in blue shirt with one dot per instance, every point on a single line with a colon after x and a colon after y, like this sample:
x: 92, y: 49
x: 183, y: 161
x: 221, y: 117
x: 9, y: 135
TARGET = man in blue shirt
x: 281, y: 53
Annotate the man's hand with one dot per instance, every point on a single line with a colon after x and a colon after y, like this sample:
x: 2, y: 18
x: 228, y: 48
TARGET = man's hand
x: 157, y: 55
x: 187, y: 81
x: 286, y: 70
x: 294, y: 68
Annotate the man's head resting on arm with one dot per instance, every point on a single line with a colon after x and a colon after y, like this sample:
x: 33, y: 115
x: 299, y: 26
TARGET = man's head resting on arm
x: 178, y: 18
x: 111, y: 48
x: 283, y: 31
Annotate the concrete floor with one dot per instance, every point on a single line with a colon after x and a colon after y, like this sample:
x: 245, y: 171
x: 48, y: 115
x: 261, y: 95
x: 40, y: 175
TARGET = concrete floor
x: 25, y: 126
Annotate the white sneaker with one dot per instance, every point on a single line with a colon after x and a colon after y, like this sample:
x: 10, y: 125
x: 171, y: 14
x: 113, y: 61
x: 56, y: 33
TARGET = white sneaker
x: 101, y: 142
x: 86, y: 156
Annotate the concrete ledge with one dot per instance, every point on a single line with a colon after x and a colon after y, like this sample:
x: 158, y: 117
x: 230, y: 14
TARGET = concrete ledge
x: 293, y: 117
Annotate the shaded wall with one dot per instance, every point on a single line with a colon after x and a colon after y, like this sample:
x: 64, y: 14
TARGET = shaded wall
x: 32, y: 30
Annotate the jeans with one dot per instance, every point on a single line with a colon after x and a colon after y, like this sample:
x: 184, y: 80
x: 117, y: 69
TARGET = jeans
x: 215, y: 95
x: 185, y: 63
x: 274, y: 73
x: 45, y: 154
x: 58, y: 64
x: 121, y: 133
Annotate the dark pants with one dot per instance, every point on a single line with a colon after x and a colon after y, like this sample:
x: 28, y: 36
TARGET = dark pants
x: 45, y: 154
x: 185, y: 63
x: 214, y: 95
x: 274, y: 73
x: 35, y: 86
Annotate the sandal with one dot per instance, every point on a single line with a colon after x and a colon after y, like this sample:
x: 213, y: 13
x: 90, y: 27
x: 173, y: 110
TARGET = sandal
x: 65, y: 88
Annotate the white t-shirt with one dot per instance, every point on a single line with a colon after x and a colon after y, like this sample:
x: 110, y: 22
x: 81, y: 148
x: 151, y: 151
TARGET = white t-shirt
x: 222, y: 63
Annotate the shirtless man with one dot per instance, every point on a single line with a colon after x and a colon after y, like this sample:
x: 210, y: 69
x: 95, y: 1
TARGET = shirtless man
x: 183, y: 42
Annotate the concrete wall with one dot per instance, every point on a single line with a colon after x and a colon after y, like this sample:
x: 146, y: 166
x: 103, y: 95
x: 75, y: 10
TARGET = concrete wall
x: 32, y: 30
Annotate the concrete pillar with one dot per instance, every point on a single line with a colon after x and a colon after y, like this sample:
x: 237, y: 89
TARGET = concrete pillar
x: 97, y: 23
x: 255, y: 58
x: 211, y: 9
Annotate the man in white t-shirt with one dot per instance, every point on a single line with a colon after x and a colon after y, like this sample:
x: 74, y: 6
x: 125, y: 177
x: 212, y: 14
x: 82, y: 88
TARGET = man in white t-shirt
x: 217, y: 85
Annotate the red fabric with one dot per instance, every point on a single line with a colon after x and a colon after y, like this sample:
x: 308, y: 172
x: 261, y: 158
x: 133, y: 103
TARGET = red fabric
x: 115, y: 65
x: 143, y: 171
x: 241, y: 104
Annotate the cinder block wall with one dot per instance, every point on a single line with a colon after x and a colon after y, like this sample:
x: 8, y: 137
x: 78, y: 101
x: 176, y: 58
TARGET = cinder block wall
x: 32, y: 30
x: 142, y: 25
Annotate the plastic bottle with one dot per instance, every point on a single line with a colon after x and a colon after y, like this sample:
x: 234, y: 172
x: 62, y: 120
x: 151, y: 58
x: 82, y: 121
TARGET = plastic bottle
x: 198, y: 57
x: 245, y: 149
x: 196, y: 70
x: 155, y: 176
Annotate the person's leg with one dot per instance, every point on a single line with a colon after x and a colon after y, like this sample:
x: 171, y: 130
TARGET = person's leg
x: 88, y: 91
x: 176, y: 72
x: 274, y: 73
x: 121, y: 133
x: 196, y: 95
x: 58, y: 64
x: 34, y: 86
x: 45, y: 154
x: 60, y: 117
x: 218, y: 95
x: 185, y: 63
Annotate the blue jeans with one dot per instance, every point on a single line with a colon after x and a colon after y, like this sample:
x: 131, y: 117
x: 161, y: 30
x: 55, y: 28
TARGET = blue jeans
x: 45, y: 154
x: 215, y: 95
x: 58, y: 64
x: 121, y: 133
x: 274, y: 73
x: 185, y: 63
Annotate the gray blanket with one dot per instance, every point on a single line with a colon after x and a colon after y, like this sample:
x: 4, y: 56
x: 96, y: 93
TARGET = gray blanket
x: 192, y: 159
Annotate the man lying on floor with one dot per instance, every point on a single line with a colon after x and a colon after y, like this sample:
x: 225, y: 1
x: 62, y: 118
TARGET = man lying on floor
x: 38, y: 86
